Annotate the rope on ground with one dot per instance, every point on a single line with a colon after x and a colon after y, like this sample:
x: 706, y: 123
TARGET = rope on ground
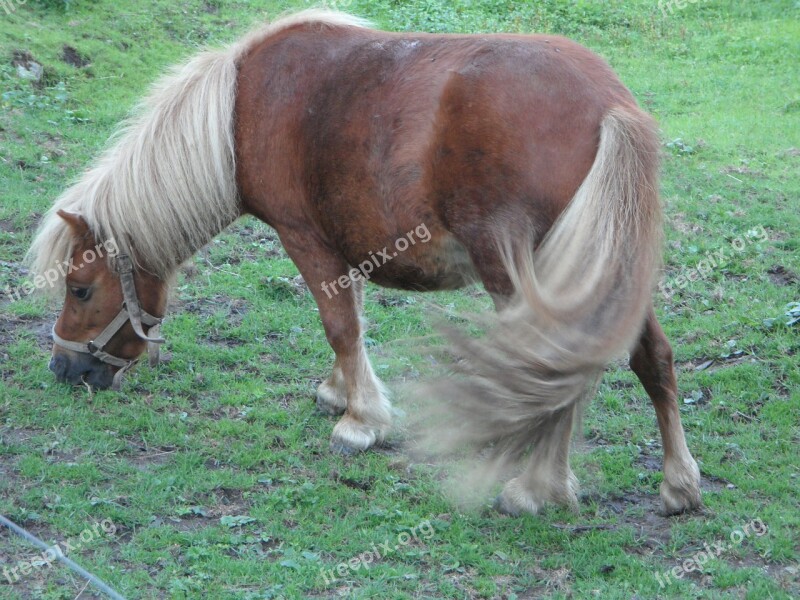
x: 93, y: 579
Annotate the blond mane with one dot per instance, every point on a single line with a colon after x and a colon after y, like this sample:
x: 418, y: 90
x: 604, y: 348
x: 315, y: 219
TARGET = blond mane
x: 166, y: 184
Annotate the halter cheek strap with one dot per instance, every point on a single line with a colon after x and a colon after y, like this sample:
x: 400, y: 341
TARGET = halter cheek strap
x: 130, y: 311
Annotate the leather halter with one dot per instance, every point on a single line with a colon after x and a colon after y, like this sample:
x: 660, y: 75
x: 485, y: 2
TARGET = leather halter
x: 130, y: 311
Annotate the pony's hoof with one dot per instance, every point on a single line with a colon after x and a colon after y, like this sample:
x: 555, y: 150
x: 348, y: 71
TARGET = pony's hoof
x: 678, y: 502
x: 351, y: 437
x: 516, y: 499
x: 502, y: 506
x: 328, y: 400
x: 680, y: 490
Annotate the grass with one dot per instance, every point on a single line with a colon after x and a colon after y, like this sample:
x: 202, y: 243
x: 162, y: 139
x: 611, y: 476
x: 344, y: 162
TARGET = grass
x: 214, y: 467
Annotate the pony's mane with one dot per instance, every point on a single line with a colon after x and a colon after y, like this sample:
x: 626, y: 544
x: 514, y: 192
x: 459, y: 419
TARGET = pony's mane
x: 166, y: 184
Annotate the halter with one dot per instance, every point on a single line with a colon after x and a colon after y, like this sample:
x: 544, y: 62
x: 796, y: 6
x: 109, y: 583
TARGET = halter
x: 130, y: 311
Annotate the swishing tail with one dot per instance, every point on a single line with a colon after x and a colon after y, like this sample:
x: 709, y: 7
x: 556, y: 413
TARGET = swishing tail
x: 579, y: 302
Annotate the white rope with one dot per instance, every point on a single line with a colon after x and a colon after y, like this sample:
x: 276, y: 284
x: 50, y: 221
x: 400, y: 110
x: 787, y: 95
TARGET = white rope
x: 96, y: 581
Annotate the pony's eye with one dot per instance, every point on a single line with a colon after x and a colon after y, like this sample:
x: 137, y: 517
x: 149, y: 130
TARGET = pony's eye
x: 80, y: 293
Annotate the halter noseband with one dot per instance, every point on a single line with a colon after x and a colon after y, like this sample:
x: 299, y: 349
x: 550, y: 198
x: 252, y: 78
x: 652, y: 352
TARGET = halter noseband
x: 130, y: 311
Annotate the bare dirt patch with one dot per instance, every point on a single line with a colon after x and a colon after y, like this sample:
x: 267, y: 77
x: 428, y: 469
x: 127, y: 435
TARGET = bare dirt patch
x: 781, y: 276
x: 234, y: 308
x: 11, y: 327
x: 22, y: 58
x: 643, y: 513
x: 680, y: 223
x: 72, y: 57
x: 145, y: 459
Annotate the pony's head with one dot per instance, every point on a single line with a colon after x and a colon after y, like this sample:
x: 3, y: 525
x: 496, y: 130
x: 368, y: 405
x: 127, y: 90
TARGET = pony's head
x: 163, y: 188
x: 111, y: 310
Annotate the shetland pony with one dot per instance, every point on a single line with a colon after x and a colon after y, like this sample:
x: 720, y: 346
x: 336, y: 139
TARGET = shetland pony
x: 346, y: 140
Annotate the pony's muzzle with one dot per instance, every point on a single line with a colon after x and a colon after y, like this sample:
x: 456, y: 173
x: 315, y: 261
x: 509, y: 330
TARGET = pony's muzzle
x: 81, y: 369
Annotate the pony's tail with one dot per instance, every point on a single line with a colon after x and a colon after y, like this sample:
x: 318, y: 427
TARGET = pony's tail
x: 578, y: 303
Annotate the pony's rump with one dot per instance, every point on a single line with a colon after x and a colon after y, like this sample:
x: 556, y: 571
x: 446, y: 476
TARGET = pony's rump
x: 579, y: 301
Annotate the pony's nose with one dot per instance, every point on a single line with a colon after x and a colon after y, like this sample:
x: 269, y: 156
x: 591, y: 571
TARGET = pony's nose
x: 81, y: 370
x: 59, y: 365
x: 99, y: 377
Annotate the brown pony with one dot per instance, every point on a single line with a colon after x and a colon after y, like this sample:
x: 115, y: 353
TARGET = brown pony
x: 421, y: 162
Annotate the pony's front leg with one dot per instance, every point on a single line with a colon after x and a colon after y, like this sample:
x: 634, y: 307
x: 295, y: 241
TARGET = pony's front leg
x: 332, y: 393
x: 352, y: 387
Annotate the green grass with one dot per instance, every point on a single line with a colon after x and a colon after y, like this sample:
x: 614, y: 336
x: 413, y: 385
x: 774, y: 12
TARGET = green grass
x: 214, y: 467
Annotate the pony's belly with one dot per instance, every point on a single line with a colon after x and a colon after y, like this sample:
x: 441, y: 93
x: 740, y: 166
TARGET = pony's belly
x: 441, y: 263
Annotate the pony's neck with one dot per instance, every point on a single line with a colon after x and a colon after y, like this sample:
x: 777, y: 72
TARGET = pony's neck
x: 167, y: 185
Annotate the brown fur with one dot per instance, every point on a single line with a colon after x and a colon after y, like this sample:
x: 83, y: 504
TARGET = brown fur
x: 344, y: 139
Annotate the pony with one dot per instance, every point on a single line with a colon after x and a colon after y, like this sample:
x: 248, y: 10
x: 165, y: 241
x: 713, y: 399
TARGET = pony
x: 520, y: 161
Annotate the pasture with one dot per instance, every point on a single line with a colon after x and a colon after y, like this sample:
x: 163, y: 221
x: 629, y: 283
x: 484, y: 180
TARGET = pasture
x: 210, y: 475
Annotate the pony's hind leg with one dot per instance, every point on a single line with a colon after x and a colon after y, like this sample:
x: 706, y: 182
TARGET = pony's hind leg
x: 547, y: 477
x: 652, y: 362
x: 353, y: 387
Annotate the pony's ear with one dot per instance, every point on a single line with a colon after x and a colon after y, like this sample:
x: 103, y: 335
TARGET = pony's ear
x: 78, y: 224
